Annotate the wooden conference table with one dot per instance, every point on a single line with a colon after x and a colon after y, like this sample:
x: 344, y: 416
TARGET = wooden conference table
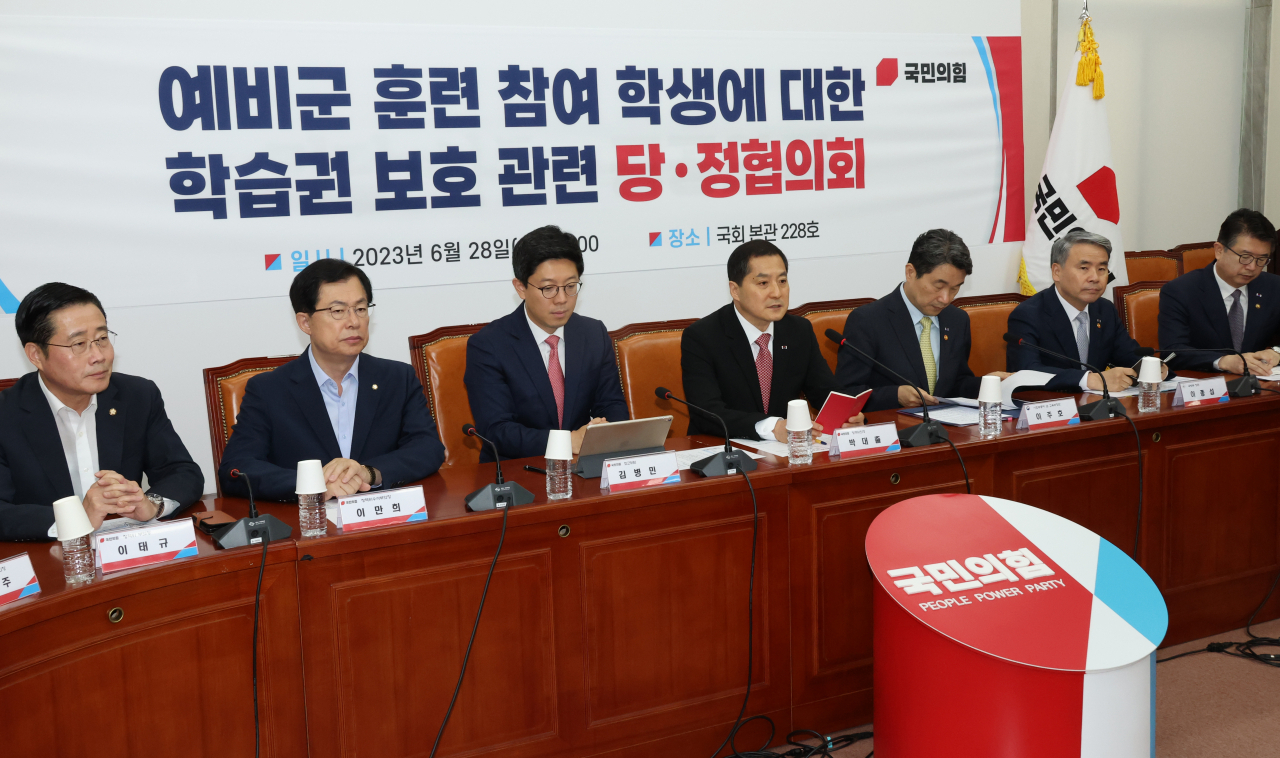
x: 615, y: 624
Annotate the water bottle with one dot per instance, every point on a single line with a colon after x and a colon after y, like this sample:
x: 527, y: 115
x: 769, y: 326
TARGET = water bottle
x: 799, y: 451
x: 559, y: 479
x: 311, y: 515
x: 1149, y: 397
x: 77, y: 560
x: 989, y: 420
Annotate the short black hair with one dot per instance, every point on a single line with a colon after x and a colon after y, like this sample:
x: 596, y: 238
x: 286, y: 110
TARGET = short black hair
x: 305, y: 290
x: 546, y: 243
x: 34, y: 320
x: 936, y: 247
x: 1246, y: 221
x: 740, y: 258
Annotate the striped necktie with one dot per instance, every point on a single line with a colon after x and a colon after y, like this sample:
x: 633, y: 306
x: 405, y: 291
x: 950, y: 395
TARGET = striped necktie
x: 926, y: 352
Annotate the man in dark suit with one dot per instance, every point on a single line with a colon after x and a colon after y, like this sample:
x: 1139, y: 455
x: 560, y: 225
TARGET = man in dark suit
x: 542, y: 366
x: 364, y: 418
x: 73, y: 427
x: 747, y: 360
x: 1232, y: 304
x: 915, y: 330
x: 1072, y: 318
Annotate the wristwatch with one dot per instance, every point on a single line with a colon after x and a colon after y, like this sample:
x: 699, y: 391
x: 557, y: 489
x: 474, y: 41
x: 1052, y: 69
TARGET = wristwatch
x: 158, y: 501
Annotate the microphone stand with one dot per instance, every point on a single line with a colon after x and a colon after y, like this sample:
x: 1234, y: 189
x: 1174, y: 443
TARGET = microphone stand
x: 499, y: 494
x: 727, y: 461
x: 1106, y: 408
x: 252, y: 529
x: 929, y: 431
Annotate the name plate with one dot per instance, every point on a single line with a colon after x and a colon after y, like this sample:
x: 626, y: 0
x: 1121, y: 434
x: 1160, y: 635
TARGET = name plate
x: 622, y: 474
x: 1050, y: 413
x: 145, y: 544
x: 368, y: 510
x: 17, y: 579
x: 864, y: 440
x: 1201, y: 392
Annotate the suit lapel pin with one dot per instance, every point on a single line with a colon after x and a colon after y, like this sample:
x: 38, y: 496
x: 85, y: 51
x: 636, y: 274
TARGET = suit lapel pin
x: 944, y: 336
x: 375, y: 386
x: 112, y: 411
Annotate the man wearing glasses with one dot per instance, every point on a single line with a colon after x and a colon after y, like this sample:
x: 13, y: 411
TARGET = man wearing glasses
x: 74, y: 427
x: 1233, y: 304
x: 542, y: 366
x: 364, y: 418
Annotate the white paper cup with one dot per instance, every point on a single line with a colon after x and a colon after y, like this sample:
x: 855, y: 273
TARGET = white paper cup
x: 310, y: 478
x: 1150, y: 369
x: 798, y: 416
x: 72, y: 521
x: 560, y: 445
x: 990, y: 392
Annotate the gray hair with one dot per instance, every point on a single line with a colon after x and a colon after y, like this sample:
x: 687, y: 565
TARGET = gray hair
x: 1062, y: 245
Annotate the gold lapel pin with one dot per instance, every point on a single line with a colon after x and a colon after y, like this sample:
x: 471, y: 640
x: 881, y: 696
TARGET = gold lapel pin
x: 112, y: 411
x: 375, y: 386
x: 1257, y: 305
x: 944, y: 337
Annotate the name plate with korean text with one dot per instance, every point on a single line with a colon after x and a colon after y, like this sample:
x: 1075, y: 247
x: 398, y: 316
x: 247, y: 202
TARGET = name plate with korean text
x: 368, y: 510
x: 146, y: 544
x: 1201, y: 392
x: 634, y: 472
x: 864, y: 440
x: 17, y: 579
x: 1050, y: 413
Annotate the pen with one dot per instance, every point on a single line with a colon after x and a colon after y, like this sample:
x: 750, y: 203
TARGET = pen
x: 534, y: 469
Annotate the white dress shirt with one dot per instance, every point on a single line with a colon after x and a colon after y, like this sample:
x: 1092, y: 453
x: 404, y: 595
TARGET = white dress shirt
x: 764, y: 429
x: 79, y: 435
x: 1073, y: 313
x: 1227, y: 290
x: 935, y: 331
x: 540, y: 336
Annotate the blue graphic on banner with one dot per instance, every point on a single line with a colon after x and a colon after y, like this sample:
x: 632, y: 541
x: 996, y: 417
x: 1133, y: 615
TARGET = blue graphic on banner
x: 8, y: 303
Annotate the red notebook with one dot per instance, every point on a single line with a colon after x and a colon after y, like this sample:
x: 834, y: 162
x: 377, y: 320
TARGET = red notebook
x: 839, y: 408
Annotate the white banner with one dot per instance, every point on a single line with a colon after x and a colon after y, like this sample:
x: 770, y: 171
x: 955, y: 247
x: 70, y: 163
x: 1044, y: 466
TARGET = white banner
x: 174, y: 161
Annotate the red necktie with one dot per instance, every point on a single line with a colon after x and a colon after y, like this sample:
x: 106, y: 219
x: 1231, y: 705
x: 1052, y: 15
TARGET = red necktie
x: 764, y: 367
x: 556, y: 375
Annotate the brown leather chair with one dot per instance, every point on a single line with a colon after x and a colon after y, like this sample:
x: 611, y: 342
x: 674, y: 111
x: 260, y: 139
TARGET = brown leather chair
x: 440, y: 359
x: 1139, y: 309
x: 223, y: 391
x: 988, y: 322
x: 829, y: 314
x: 1152, y: 266
x: 648, y: 358
x: 1194, y: 255
x: 7, y: 383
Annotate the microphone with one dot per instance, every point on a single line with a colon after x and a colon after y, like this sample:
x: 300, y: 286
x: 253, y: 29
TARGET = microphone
x: 1107, y: 407
x: 1246, y: 386
x: 928, y: 432
x: 501, y: 493
x: 252, y: 529
x: 728, y: 461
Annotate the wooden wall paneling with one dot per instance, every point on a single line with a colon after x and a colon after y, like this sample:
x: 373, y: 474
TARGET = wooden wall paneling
x: 831, y: 510
x: 662, y: 603
x: 77, y: 685
x: 386, y: 629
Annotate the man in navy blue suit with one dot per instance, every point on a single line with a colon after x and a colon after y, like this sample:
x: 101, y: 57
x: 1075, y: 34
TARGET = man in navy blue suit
x: 364, y: 418
x: 74, y: 427
x: 915, y: 330
x: 542, y: 366
x: 1072, y: 318
x: 1233, y: 304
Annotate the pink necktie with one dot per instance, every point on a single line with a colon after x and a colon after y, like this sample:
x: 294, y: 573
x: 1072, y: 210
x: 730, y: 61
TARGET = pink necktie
x: 556, y: 375
x: 764, y: 367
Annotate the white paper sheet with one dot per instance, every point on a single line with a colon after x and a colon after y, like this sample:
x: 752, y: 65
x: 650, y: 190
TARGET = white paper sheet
x: 1008, y: 386
x: 686, y: 458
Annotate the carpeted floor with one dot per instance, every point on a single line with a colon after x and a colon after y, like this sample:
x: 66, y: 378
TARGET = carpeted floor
x: 1207, y: 704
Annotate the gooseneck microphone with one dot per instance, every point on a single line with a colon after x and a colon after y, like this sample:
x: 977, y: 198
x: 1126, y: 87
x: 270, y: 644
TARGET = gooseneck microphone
x: 728, y: 461
x: 253, y: 529
x: 501, y: 493
x: 1106, y: 408
x: 1246, y: 386
x: 928, y: 432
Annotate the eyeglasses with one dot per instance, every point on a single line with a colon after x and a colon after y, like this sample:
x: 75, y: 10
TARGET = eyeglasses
x: 80, y: 347
x: 569, y: 289
x: 1246, y: 259
x: 339, y: 312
